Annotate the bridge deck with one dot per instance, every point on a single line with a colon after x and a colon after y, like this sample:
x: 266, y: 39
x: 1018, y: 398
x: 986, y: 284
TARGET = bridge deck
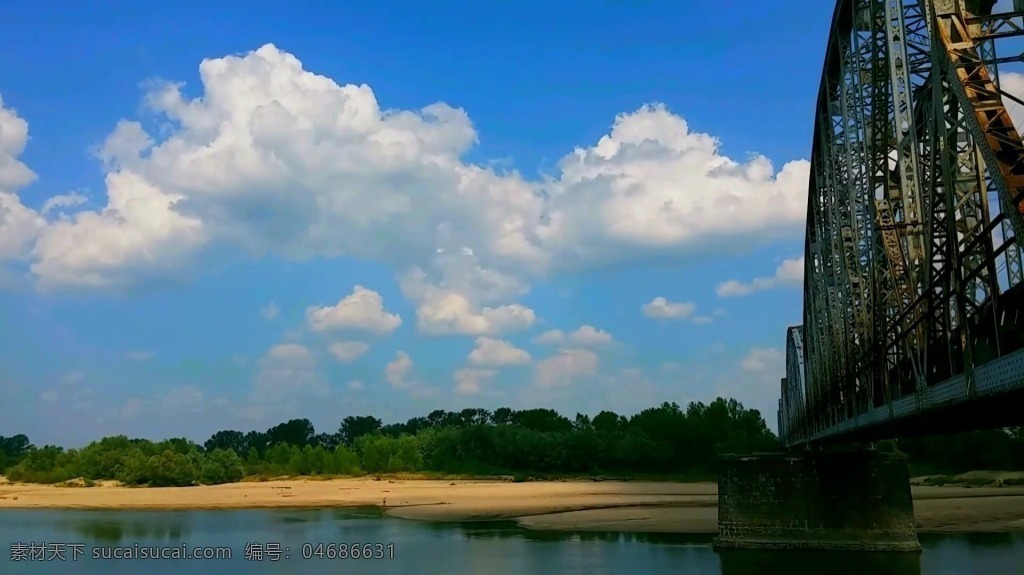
x: 945, y: 407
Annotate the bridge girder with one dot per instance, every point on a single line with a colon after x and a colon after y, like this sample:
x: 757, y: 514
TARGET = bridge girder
x: 913, y: 293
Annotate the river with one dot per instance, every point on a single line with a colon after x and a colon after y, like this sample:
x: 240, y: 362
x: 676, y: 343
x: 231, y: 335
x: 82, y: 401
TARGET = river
x: 333, y: 541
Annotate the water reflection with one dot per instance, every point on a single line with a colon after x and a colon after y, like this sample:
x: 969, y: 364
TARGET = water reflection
x: 467, y: 548
x: 743, y: 562
x: 974, y: 539
x: 110, y: 529
x: 511, y: 530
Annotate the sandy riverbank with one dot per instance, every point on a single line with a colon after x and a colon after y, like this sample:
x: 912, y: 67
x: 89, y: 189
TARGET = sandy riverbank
x: 568, y: 505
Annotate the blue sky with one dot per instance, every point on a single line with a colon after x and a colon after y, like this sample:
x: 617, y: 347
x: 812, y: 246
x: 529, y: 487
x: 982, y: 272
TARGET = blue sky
x: 229, y: 215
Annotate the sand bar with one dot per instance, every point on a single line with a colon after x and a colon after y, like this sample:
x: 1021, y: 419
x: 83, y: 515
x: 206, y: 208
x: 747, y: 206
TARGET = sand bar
x: 561, y: 505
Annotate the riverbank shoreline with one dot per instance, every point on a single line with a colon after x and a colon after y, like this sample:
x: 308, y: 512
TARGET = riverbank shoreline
x: 633, y: 506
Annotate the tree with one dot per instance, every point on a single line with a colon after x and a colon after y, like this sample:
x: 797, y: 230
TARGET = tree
x: 13, y: 450
x: 356, y: 426
x: 256, y: 441
x: 474, y: 416
x: 439, y: 418
x: 609, y: 422
x: 221, y: 466
x: 15, y: 446
x: 543, y: 420
x: 227, y: 439
x: 664, y: 439
x: 298, y: 432
x: 502, y: 416
x: 582, y: 422
x: 329, y: 441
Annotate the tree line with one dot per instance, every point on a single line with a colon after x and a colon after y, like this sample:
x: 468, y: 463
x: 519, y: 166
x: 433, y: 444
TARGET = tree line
x: 666, y: 441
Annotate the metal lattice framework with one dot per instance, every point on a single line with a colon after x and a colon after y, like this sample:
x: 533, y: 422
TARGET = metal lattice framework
x: 913, y: 281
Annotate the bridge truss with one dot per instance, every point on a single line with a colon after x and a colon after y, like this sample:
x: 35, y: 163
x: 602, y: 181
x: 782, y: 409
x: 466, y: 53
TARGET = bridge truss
x: 913, y: 316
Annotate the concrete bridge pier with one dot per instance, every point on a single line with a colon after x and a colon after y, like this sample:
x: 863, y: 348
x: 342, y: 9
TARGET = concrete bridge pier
x: 816, y: 500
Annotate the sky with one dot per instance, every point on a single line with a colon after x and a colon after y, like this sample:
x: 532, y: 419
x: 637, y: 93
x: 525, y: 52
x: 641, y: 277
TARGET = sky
x: 226, y: 215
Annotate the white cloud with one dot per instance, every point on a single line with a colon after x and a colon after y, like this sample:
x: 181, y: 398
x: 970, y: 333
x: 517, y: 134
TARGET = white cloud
x: 130, y: 408
x: 652, y: 184
x: 564, y: 368
x: 71, y: 200
x: 289, y: 352
x: 550, y: 337
x: 183, y: 398
x: 355, y: 385
x: 72, y: 377
x: 756, y: 382
x: 397, y: 372
x: 270, y: 311
x: 496, y: 353
x: 586, y: 335
x: 469, y: 381
x: 661, y: 308
x: 789, y: 274
x: 137, y: 237
x: 140, y: 355
x: 590, y: 335
x: 13, y: 137
x: 346, y: 351
x: 287, y: 370
x: 761, y: 359
x: 453, y: 311
x: 19, y: 225
x: 68, y: 390
x: 1013, y: 83
x: 362, y: 310
x: 272, y: 158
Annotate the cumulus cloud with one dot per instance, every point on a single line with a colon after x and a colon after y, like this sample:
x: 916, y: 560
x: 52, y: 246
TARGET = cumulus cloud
x: 184, y: 398
x: 19, y: 225
x: 789, y: 274
x: 346, y: 351
x: 72, y: 377
x: 270, y: 311
x: 70, y: 388
x: 397, y: 372
x: 496, y: 352
x: 661, y: 308
x: 469, y: 381
x: 130, y: 408
x: 1013, y: 82
x: 63, y: 201
x: 287, y: 370
x: 446, y: 310
x: 586, y: 335
x: 362, y: 310
x: 137, y: 236
x: 565, y: 368
x: 756, y: 381
x: 275, y: 159
x: 761, y: 359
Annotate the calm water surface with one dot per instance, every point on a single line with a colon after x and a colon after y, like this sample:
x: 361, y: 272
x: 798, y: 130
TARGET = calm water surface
x: 399, y: 546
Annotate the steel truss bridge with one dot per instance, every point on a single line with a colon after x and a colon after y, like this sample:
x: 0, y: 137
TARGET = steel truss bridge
x: 913, y: 318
